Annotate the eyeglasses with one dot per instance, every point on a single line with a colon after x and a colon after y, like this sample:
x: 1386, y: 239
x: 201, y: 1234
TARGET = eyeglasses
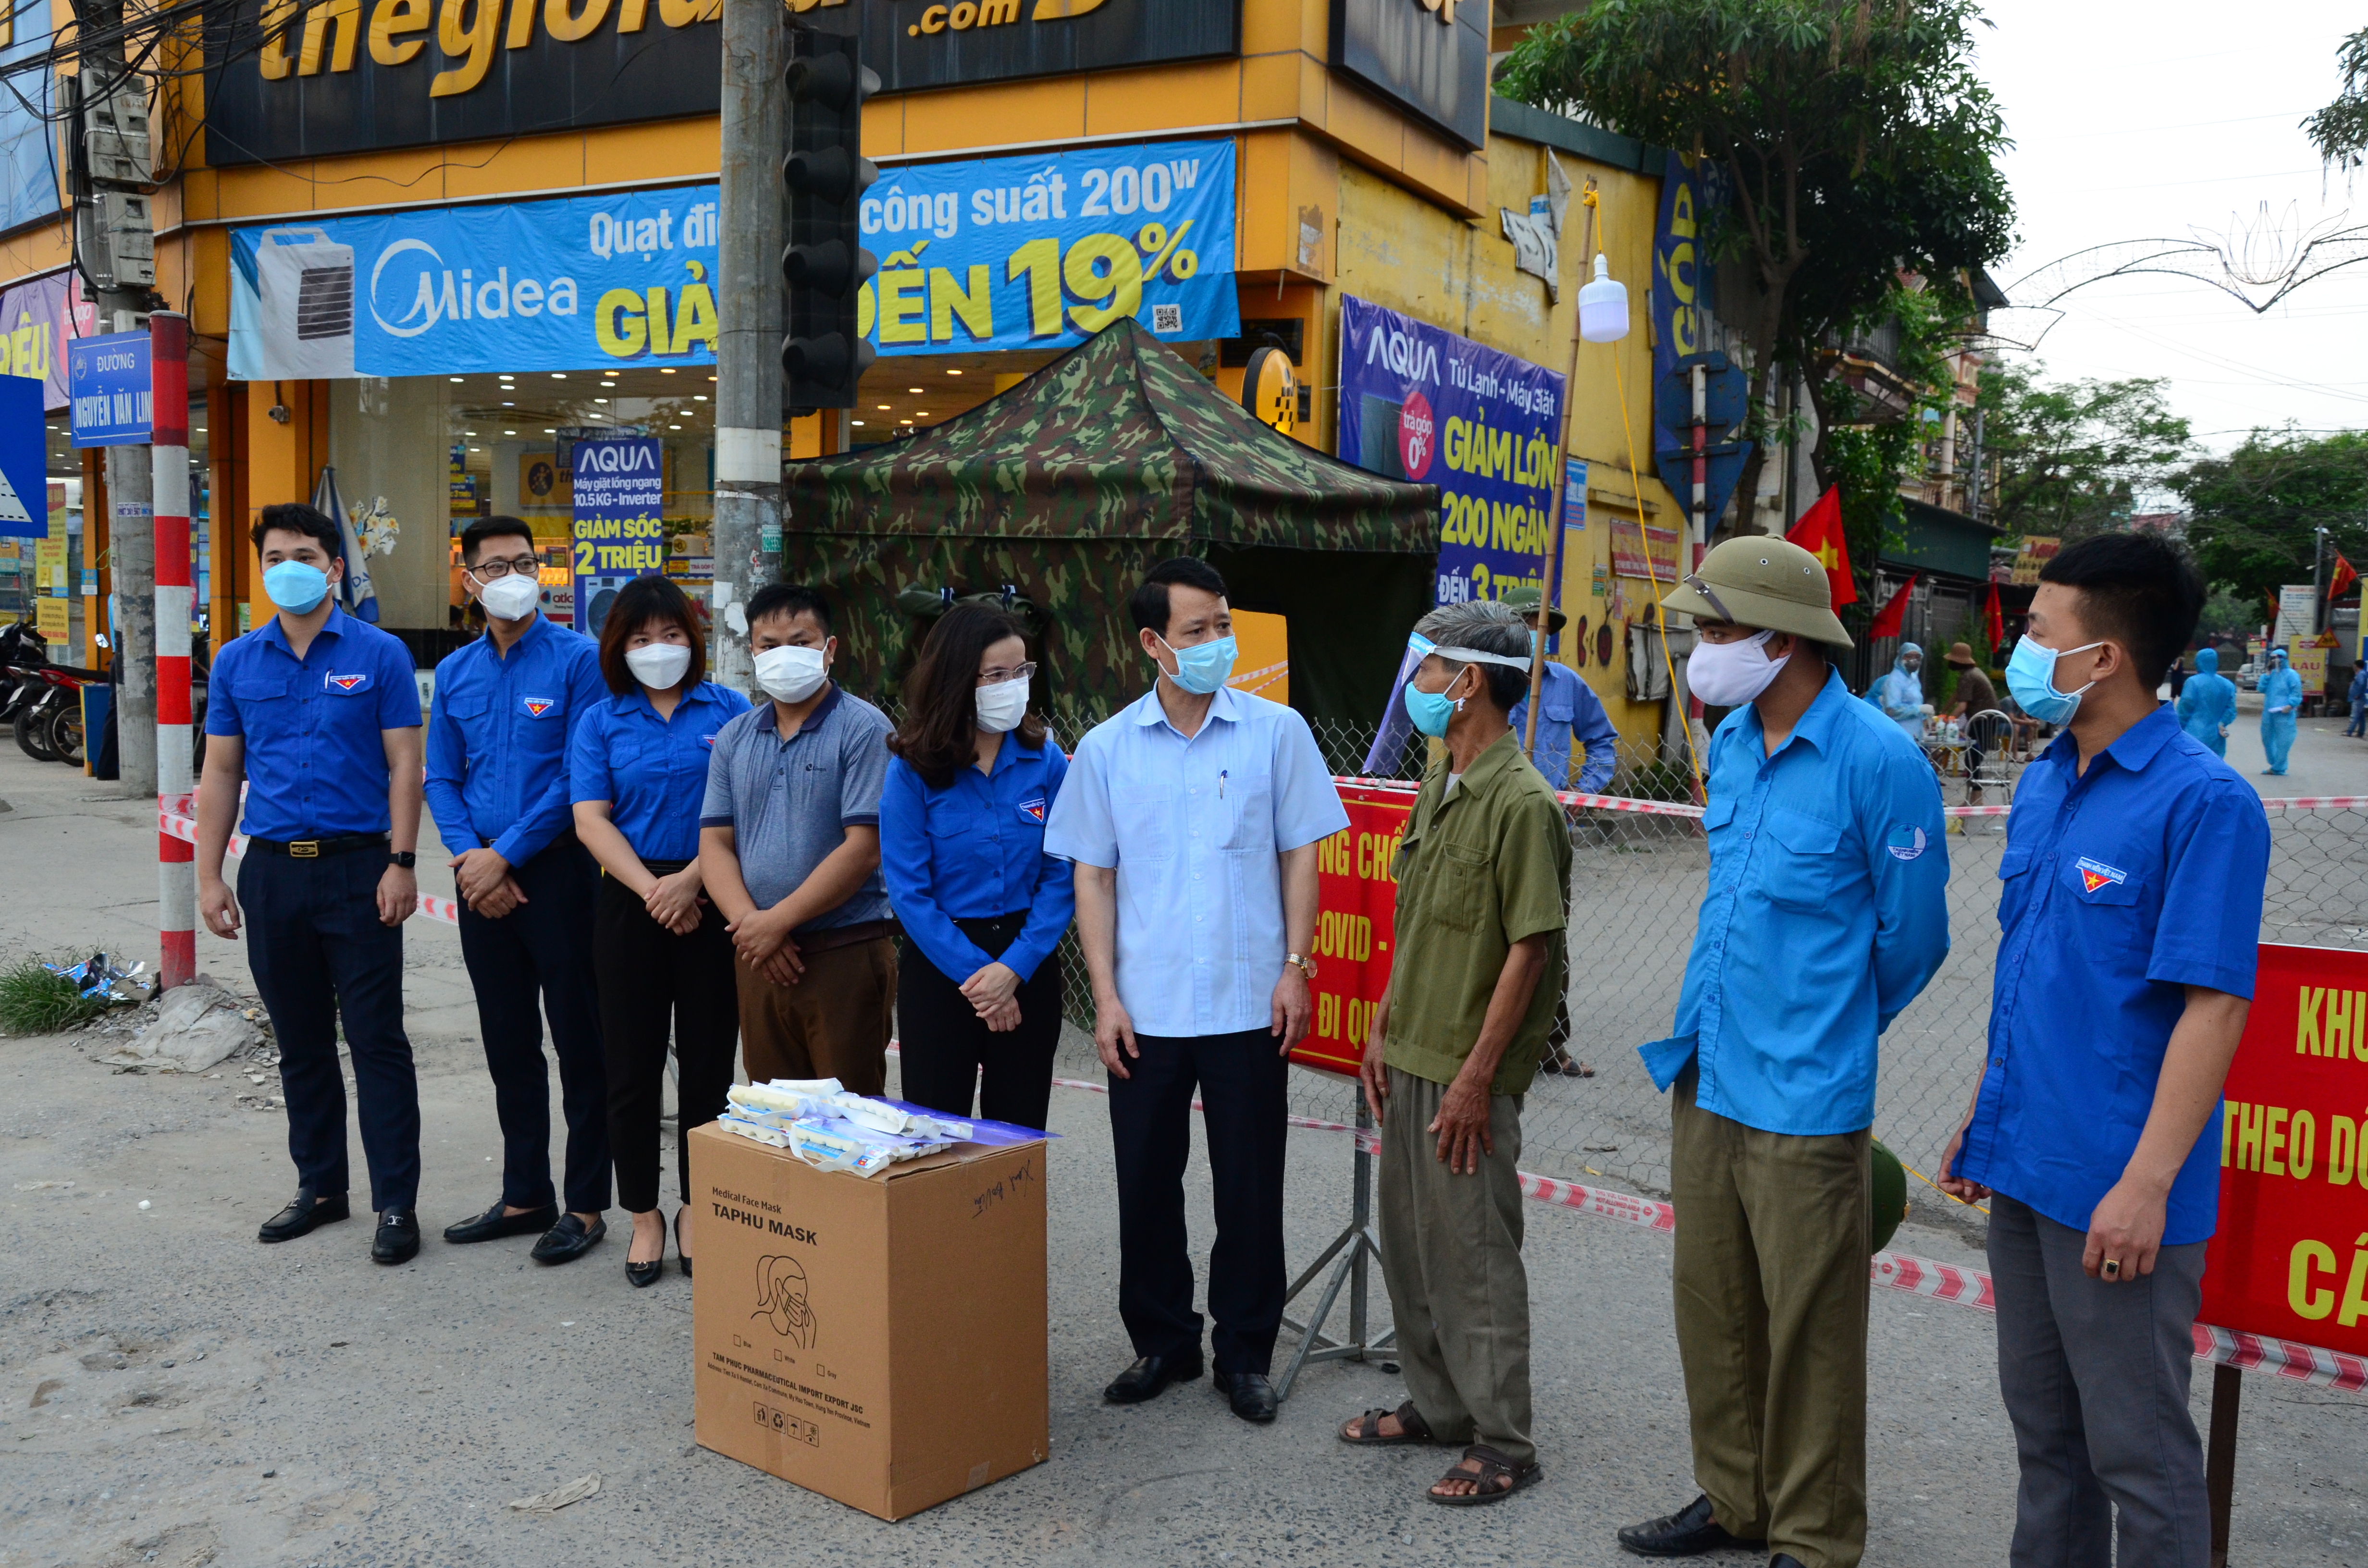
x: 997, y: 676
x: 486, y: 571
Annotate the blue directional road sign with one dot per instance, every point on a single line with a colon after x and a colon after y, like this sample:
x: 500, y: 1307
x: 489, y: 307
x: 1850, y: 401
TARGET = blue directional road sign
x: 108, y: 382
x: 24, y: 467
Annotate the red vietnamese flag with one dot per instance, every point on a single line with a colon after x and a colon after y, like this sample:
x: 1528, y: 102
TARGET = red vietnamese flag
x: 1997, y: 621
x: 1819, y: 532
x: 2344, y: 577
x: 1893, y: 614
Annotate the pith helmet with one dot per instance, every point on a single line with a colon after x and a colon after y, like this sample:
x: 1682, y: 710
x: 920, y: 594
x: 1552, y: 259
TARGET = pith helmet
x: 1765, y: 583
x: 1523, y: 602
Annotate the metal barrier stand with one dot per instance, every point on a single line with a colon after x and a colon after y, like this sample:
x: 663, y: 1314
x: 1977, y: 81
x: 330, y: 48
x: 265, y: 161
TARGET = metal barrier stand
x: 1361, y: 1245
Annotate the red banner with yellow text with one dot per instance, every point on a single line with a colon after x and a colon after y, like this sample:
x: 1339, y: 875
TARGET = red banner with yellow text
x: 1354, y: 930
x: 2291, y: 1255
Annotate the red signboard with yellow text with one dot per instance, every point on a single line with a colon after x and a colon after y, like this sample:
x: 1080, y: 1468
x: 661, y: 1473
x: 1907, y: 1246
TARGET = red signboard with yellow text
x: 1355, y: 927
x: 2291, y: 1255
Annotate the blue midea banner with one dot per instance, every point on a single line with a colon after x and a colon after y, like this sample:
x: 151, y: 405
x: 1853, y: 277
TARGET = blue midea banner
x: 1038, y: 252
x: 579, y: 283
x: 1420, y: 403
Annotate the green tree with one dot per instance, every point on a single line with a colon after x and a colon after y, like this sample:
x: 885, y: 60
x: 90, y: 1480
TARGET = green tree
x: 2340, y: 131
x: 1858, y: 140
x: 2075, y: 459
x: 2254, y: 510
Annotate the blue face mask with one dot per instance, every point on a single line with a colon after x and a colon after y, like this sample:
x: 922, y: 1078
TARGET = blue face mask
x: 294, y: 587
x: 1203, y: 667
x: 1430, y: 710
x: 2030, y: 676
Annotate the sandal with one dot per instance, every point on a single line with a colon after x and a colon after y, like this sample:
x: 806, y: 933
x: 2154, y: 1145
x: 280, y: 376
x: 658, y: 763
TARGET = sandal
x: 1365, y: 1431
x: 1493, y: 1468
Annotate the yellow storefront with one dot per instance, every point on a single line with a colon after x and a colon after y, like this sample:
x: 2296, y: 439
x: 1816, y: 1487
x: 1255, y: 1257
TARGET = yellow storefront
x: 1363, y: 167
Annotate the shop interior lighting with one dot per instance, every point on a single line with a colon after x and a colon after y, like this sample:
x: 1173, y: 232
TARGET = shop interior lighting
x: 855, y: 421
x: 508, y: 404
x: 883, y: 408
x: 509, y: 432
x: 549, y: 431
x: 917, y: 391
x: 600, y: 399
x: 468, y: 432
x: 665, y: 369
x: 699, y: 397
x: 456, y: 381
x: 558, y: 375
x: 953, y: 372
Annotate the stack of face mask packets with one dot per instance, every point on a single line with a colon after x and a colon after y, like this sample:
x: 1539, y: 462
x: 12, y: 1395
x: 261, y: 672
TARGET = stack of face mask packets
x: 821, y: 1123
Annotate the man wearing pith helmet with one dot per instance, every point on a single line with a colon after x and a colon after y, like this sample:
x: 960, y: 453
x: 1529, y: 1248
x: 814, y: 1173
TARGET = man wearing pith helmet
x: 1824, y: 918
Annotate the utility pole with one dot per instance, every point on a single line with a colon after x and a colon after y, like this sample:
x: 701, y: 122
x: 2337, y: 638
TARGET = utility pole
x: 117, y: 247
x: 2317, y: 579
x: 748, y: 354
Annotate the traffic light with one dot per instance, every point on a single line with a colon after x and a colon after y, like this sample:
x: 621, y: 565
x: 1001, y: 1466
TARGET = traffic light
x: 827, y: 175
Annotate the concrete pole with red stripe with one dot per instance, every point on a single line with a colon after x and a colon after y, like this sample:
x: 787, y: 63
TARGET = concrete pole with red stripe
x: 176, y: 871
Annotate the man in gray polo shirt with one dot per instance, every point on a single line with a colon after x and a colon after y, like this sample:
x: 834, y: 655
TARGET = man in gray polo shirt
x: 789, y: 845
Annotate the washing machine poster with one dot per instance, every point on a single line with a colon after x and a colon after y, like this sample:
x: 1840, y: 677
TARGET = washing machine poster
x: 620, y: 488
x: 574, y: 283
x: 1420, y: 403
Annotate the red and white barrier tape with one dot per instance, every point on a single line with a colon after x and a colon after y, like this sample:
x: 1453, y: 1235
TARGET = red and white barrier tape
x: 1905, y: 1272
x: 184, y: 828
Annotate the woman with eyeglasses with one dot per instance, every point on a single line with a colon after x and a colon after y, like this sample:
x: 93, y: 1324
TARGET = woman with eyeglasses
x: 637, y: 770
x: 961, y: 847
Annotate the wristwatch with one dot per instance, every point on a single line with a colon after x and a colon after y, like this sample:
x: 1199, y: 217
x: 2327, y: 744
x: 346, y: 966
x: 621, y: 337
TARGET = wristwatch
x: 407, y: 859
x: 1306, y: 966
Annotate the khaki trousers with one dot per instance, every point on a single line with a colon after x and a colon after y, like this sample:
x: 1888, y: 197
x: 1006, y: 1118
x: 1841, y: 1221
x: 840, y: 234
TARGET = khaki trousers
x: 1452, y: 1258
x: 1774, y: 1234
x: 833, y: 1023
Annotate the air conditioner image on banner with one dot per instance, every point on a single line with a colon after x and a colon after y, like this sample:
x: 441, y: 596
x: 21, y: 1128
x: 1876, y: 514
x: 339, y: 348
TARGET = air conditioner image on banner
x: 306, y: 285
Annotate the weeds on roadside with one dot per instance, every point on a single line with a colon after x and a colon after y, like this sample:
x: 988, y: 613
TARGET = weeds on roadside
x: 34, y: 1000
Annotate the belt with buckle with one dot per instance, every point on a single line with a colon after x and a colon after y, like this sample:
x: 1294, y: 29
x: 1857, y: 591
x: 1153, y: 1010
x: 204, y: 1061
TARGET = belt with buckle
x: 316, y: 848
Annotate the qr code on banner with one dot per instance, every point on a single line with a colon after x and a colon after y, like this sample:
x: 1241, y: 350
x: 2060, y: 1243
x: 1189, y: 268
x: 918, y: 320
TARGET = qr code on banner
x: 1168, y: 318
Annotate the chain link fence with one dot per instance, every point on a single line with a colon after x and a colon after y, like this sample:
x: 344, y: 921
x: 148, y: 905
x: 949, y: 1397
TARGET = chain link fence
x: 1637, y: 882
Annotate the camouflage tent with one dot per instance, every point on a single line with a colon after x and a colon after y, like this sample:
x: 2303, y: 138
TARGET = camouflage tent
x: 1072, y: 484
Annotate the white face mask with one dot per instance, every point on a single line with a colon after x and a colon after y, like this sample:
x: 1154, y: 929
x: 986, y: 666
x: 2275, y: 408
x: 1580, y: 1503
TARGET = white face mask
x: 510, y: 597
x: 658, y: 665
x: 1728, y: 675
x: 1002, y: 705
x: 791, y: 675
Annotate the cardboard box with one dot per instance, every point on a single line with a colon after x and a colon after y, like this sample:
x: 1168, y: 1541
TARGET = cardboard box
x: 880, y: 1340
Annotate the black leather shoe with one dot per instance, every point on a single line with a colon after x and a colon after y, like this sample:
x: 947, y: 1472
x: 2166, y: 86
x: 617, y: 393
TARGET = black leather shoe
x: 1692, y: 1529
x: 492, y: 1224
x: 1251, y: 1393
x: 679, y: 1255
x: 1783, y: 1560
x: 1147, y: 1377
x: 398, y: 1235
x: 305, y: 1212
x: 569, y: 1240
x: 641, y: 1276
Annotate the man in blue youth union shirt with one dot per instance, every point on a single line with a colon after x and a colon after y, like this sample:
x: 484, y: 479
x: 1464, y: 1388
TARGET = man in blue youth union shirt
x: 1824, y: 917
x: 497, y: 737
x: 1192, y: 818
x: 2129, y: 916
x: 317, y: 714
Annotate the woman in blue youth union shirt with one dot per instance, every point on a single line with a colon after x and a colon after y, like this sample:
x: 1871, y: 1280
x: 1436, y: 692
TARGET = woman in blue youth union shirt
x: 636, y: 771
x: 962, y: 849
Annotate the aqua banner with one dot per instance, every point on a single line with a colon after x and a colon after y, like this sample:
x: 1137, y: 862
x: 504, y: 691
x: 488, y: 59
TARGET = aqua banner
x: 1419, y: 403
x: 620, y: 489
x: 1042, y: 252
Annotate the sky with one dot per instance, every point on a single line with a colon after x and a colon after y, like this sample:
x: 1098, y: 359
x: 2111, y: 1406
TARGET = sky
x: 2139, y: 120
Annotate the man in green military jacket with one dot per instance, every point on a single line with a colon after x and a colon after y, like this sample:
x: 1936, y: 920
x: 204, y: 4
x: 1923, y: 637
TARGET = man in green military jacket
x: 1454, y: 1044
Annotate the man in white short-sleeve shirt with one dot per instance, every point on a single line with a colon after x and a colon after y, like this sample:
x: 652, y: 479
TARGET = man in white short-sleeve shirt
x: 1192, y: 817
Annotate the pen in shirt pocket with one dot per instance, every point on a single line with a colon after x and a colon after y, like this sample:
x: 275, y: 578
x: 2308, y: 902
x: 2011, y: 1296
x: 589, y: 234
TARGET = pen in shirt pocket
x: 1221, y: 775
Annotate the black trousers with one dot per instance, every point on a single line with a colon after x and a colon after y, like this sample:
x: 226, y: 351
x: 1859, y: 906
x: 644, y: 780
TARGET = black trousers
x: 654, y: 986
x: 544, y: 948
x: 318, y: 952
x: 947, y: 1051
x: 1241, y: 1078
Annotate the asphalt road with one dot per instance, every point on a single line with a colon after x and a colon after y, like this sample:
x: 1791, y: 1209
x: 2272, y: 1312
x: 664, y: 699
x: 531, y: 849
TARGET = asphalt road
x: 172, y: 1393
